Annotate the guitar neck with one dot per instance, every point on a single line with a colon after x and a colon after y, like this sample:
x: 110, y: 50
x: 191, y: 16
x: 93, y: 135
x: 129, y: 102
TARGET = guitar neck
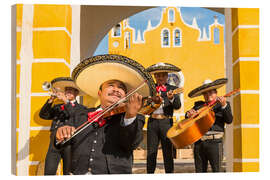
x: 178, y: 91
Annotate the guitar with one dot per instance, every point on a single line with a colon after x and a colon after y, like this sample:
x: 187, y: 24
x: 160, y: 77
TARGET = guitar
x: 190, y: 130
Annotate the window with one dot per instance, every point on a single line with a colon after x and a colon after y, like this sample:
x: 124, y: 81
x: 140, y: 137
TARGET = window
x: 177, y: 37
x: 171, y: 16
x: 127, y: 40
x: 117, y: 30
x: 165, y: 38
x: 216, y: 36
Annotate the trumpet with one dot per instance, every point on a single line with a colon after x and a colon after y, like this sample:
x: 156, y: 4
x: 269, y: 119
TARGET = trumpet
x: 47, y: 86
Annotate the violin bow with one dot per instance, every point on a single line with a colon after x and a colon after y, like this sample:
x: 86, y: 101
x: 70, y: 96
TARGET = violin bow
x: 100, y: 114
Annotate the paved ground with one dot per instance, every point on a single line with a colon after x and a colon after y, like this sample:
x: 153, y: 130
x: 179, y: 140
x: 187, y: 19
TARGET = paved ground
x: 180, y: 166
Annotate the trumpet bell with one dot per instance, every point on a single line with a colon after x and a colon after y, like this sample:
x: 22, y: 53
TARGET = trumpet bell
x: 46, y: 86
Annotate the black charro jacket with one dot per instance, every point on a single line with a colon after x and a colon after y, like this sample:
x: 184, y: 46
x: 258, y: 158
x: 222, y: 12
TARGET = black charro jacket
x: 107, y: 149
x: 57, y: 115
x: 169, y: 107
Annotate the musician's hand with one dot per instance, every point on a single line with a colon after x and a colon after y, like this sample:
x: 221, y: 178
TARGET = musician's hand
x: 133, y: 105
x: 62, y: 96
x: 51, y: 99
x: 191, y: 112
x: 222, y: 100
x: 170, y: 94
x: 157, y: 99
x: 64, y: 132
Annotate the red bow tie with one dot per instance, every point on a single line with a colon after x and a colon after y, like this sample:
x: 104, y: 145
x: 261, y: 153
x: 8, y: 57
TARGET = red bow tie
x: 91, y: 118
x: 161, y: 88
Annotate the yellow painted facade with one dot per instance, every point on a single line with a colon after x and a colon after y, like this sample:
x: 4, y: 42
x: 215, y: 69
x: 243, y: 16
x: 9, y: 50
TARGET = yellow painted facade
x: 51, y: 44
x: 198, y: 57
x: 245, y: 51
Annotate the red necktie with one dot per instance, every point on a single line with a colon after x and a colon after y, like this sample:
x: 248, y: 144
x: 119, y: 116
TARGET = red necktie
x: 91, y: 118
x: 161, y: 88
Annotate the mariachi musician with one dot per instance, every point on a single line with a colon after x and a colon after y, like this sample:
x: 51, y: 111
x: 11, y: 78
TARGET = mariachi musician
x: 63, y: 89
x: 210, y: 146
x: 161, y: 119
x: 106, y: 146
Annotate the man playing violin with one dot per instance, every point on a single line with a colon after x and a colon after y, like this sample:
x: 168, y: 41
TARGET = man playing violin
x: 210, y: 146
x: 64, y: 89
x: 161, y: 119
x: 106, y: 146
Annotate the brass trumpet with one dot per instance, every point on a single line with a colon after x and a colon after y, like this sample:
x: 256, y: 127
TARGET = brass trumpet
x: 47, y: 86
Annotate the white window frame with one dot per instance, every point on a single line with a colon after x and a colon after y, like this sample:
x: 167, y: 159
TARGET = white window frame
x: 173, y: 20
x: 161, y: 38
x: 181, y: 39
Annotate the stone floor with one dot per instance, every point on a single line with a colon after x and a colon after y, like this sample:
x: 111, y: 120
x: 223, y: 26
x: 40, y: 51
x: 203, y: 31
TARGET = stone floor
x: 180, y: 166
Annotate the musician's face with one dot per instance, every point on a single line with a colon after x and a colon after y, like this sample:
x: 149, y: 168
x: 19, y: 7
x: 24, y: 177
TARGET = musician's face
x: 71, y: 93
x: 111, y: 91
x: 161, y: 78
x: 210, y: 95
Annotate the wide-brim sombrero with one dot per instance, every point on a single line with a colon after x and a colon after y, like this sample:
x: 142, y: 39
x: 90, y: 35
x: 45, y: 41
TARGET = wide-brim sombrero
x: 163, y: 67
x: 91, y: 72
x: 61, y: 83
x: 207, y: 85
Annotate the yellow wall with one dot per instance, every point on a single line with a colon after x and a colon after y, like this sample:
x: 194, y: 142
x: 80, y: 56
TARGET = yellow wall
x: 51, y: 52
x: 245, y: 51
x: 198, y: 60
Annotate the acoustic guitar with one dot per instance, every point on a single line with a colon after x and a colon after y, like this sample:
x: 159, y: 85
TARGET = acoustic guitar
x: 150, y: 106
x: 190, y: 130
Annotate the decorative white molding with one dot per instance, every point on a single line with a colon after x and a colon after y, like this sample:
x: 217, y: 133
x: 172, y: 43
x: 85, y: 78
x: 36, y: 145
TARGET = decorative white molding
x: 40, y: 128
x: 40, y: 94
x: 18, y: 29
x: 245, y: 160
x: 53, y: 29
x: 246, y: 59
x: 246, y: 126
x: 244, y: 27
x: 247, y: 92
x: 54, y: 60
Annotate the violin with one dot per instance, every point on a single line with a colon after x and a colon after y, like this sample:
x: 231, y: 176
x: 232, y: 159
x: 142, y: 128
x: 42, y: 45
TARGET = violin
x: 191, y: 129
x: 98, y: 116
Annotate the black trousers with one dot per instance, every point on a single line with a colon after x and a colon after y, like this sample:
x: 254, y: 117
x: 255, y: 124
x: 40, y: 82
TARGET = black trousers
x: 53, y: 158
x: 156, y: 132
x: 208, y: 150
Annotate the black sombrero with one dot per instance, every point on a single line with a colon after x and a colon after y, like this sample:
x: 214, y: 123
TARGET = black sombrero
x: 61, y: 83
x: 162, y: 67
x: 91, y: 72
x: 207, y: 85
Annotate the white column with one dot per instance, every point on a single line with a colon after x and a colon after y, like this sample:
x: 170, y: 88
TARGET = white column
x: 228, y: 146
x: 75, y: 37
x: 25, y: 90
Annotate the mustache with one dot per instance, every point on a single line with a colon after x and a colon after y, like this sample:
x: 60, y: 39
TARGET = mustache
x: 115, y: 93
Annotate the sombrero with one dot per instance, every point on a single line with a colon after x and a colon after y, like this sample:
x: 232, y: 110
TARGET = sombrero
x: 162, y: 67
x: 61, y: 83
x: 207, y: 85
x: 91, y: 72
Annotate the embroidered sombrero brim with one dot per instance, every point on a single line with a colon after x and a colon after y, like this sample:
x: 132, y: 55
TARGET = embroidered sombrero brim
x: 61, y: 83
x: 162, y: 67
x: 90, y: 73
x: 206, y: 87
